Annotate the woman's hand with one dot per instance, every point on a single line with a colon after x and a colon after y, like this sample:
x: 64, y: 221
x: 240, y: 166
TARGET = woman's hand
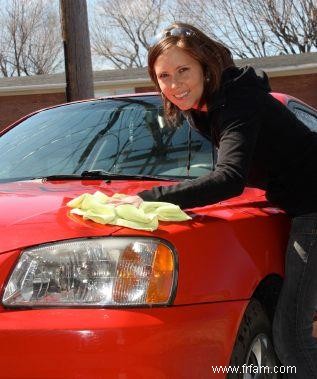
x: 133, y: 200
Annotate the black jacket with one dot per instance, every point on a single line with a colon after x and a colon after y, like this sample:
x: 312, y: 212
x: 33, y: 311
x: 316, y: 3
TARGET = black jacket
x: 260, y: 144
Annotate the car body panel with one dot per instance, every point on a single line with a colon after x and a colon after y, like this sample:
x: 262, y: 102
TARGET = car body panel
x: 112, y: 343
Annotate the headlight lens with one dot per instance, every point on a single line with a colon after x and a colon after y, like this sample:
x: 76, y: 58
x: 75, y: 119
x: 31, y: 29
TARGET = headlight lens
x: 93, y: 272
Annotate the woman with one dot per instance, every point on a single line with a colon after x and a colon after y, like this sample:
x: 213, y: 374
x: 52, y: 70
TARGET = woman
x: 260, y: 144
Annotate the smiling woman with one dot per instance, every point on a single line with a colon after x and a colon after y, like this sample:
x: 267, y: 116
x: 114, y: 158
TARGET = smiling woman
x: 185, y: 62
x: 180, y: 78
x: 257, y: 139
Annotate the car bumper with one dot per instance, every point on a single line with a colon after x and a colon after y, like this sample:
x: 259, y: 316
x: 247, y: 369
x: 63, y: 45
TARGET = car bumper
x: 169, y: 342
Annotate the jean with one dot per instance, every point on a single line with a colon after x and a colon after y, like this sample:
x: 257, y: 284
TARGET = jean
x: 296, y: 307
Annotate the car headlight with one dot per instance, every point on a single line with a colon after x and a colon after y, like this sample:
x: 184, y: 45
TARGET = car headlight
x: 93, y: 272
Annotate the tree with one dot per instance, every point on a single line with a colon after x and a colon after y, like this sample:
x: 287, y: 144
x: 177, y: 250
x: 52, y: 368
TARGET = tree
x: 293, y: 23
x: 122, y: 30
x: 30, y: 38
x: 255, y: 28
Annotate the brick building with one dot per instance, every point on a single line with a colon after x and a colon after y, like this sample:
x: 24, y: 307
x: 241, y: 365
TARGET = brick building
x: 292, y: 74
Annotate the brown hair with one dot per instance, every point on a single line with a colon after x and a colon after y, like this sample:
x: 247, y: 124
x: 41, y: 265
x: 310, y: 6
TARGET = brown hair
x: 212, y: 55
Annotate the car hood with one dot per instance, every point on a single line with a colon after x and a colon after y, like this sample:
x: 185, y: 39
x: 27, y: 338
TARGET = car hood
x: 34, y: 212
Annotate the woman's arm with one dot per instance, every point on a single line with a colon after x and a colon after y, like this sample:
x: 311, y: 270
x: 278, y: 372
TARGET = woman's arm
x: 238, y: 137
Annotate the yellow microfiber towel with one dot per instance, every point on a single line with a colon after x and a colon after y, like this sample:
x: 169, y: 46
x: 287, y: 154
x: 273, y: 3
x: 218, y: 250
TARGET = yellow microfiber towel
x: 98, y: 208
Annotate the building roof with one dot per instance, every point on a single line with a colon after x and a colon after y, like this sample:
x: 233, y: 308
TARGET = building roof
x: 104, y: 75
x: 281, y: 62
x: 281, y: 65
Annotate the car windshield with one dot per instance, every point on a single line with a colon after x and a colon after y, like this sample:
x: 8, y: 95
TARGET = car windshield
x: 122, y: 136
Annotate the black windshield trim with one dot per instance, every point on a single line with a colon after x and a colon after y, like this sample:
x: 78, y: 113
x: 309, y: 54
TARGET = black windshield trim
x: 96, y: 176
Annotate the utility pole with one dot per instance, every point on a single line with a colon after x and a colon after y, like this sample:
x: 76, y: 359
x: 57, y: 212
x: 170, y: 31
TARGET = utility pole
x: 78, y: 66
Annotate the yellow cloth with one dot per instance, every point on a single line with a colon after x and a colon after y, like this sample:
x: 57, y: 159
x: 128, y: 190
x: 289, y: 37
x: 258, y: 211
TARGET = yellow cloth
x: 98, y: 208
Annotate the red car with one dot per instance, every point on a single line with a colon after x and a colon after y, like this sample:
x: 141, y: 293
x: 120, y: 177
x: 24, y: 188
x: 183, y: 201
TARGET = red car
x: 84, y: 300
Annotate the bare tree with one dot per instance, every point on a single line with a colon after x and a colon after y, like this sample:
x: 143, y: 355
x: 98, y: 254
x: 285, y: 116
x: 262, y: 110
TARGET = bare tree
x: 292, y: 22
x: 255, y: 28
x: 30, y: 38
x: 122, y: 30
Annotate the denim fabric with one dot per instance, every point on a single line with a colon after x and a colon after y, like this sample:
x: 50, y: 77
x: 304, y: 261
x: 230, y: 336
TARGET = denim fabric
x: 293, y: 322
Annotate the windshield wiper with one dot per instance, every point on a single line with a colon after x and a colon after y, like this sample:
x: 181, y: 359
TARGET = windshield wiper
x: 93, y: 175
x: 105, y: 175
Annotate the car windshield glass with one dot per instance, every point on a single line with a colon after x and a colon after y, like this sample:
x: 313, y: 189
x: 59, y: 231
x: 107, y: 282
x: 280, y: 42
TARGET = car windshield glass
x: 123, y: 136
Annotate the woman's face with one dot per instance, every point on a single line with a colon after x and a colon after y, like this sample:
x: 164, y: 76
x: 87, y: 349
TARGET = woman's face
x: 180, y: 77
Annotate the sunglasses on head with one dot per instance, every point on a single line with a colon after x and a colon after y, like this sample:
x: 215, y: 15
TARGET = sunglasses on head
x: 176, y: 32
